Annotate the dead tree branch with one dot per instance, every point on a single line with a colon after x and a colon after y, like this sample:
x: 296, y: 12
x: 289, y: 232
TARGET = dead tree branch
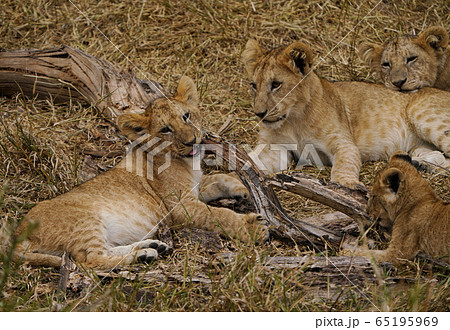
x: 348, y: 201
x: 67, y: 74
x: 267, y: 203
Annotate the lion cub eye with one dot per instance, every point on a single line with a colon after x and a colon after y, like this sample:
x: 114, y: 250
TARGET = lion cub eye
x: 253, y: 85
x: 276, y: 84
x: 186, y: 117
x: 411, y: 59
x: 386, y: 65
x: 165, y: 130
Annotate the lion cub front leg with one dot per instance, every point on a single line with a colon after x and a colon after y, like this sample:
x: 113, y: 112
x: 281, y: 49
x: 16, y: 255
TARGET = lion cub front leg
x: 158, y: 247
x: 218, y: 186
x: 346, y: 166
x: 392, y: 254
x: 189, y: 211
x: 403, y: 246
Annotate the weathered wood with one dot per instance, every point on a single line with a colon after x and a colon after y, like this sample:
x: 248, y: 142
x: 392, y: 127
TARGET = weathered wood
x: 67, y: 266
x: 434, y: 261
x: 66, y: 74
x: 266, y: 201
x: 348, y: 201
x: 341, y: 270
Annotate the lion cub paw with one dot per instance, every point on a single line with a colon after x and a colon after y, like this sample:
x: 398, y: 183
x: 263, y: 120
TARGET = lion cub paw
x: 239, y: 191
x: 159, y: 246
x: 146, y: 255
x: 256, y: 227
x: 350, y: 183
x: 150, y: 249
x: 236, y: 188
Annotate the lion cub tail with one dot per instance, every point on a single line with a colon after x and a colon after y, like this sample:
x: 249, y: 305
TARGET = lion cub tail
x: 22, y: 254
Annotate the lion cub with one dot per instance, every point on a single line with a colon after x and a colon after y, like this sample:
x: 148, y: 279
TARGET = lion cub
x: 344, y: 122
x: 420, y: 219
x: 408, y: 63
x: 107, y: 221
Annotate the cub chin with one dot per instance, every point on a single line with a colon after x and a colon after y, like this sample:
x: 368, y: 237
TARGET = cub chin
x: 109, y: 221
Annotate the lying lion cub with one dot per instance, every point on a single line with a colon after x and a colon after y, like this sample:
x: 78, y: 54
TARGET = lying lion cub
x: 408, y: 63
x: 346, y: 122
x: 107, y: 221
x: 420, y: 219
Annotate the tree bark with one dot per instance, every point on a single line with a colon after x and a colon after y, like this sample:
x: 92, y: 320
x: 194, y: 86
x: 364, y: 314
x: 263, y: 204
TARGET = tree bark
x: 267, y: 203
x: 66, y: 74
x: 348, y: 201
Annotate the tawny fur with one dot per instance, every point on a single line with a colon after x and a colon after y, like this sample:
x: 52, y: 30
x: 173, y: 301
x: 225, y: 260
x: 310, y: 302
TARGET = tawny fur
x: 345, y: 122
x: 408, y: 63
x: 419, y: 218
x: 107, y: 221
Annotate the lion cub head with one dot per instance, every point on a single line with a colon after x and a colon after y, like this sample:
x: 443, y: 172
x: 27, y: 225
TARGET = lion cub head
x: 396, y: 187
x: 408, y: 63
x: 174, y: 120
x: 275, y: 76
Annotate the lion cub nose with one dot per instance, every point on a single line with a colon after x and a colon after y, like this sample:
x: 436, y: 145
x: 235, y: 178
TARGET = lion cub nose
x: 261, y: 114
x: 399, y: 83
x: 191, y: 143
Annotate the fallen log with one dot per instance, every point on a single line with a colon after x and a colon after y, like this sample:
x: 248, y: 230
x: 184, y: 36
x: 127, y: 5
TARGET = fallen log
x: 351, y: 202
x: 67, y: 266
x: 66, y: 74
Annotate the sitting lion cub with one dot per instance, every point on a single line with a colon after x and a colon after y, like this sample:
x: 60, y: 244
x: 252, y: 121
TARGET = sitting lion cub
x: 345, y: 122
x: 420, y: 219
x: 408, y: 63
x: 107, y: 221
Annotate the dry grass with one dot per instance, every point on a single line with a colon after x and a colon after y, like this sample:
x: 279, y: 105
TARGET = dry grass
x: 41, y: 143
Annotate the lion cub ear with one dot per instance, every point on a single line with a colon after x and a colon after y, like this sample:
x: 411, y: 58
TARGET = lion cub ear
x: 187, y: 92
x: 401, y: 155
x: 392, y: 178
x: 251, y: 56
x: 436, y: 37
x: 133, y: 125
x: 298, y: 57
x: 371, y: 53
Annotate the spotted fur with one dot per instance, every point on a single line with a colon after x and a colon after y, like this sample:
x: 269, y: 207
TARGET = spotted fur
x: 408, y: 63
x: 346, y: 122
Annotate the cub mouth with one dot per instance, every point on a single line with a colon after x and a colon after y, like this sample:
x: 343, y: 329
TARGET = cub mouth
x: 408, y: 91
x: 283, y: 117
x: 195, y: 150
